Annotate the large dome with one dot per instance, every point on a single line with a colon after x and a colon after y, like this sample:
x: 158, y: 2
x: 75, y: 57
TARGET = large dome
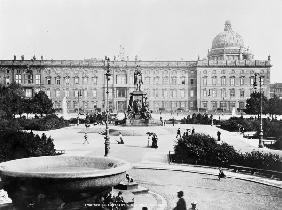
x: 228, y: 38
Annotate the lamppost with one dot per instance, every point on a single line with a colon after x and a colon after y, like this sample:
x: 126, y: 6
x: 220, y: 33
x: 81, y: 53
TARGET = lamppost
x: 108, y: 74
x: 255, y: 87
x: 79, y: 94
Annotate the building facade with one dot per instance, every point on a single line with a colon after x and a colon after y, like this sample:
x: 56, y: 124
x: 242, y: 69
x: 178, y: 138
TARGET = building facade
x: 222, y: 81
x: 276, y: 89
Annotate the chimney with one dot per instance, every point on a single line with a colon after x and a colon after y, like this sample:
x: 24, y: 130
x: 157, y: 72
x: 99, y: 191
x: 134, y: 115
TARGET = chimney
x: 15, y: 57
x: 42, y: 57
x: 22, y: 57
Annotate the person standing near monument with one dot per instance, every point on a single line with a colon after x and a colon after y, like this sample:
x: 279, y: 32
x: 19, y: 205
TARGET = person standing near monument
x: 218, y: 135
x: 181, y: 203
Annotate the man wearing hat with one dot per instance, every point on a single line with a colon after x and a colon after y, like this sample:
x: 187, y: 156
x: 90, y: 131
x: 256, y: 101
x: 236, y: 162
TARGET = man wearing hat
x: 181, y: 204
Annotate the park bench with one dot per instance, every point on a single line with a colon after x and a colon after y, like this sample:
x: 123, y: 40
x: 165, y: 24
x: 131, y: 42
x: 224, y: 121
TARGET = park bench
x: 60, y: 151
x: 249, y: 134
x: 269, y: 140
x: 253, y: 171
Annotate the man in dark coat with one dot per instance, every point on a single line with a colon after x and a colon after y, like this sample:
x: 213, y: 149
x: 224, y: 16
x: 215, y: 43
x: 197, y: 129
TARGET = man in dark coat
x: 181, y: 204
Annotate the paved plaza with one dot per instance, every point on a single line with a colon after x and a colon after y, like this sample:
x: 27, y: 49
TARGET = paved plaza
x: 151, y: 168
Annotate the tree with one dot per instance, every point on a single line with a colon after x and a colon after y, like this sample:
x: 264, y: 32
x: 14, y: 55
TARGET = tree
x: 11, y: 98
x: 42, y: 104
x: 253, y: 104
x: 274, y: 106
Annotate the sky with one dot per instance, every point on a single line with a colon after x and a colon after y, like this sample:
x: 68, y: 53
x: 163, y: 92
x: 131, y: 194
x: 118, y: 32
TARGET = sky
x: 150, y: 29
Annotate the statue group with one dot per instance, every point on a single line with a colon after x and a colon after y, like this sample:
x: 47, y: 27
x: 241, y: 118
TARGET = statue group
x: 138, y: 107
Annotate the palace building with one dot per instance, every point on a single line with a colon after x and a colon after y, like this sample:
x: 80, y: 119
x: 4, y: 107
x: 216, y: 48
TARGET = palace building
x: 221, y: 81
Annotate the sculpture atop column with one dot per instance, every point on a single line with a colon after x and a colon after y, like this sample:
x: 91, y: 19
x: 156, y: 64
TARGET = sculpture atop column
x: 138, y: 78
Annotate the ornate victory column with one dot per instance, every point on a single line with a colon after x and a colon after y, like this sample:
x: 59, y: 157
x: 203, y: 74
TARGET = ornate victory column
x: 138, y: 112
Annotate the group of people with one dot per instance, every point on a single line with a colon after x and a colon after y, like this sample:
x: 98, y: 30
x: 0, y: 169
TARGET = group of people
x: 112, y: 202
x: 186, y: 133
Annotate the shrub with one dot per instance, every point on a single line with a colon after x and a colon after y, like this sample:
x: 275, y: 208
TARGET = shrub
x: 20, y: 144
x: 203, y: 149
x: 42, y: 124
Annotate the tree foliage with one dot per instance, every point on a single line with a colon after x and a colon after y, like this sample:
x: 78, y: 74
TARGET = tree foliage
x: 253, y: 104
x: 42, y: 104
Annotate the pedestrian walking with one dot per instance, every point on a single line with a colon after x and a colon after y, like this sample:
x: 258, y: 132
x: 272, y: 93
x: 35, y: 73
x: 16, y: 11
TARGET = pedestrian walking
x: 178, y: 133
x: 193, y: 131
x: 85, y: 138
x: 218, y: 135
x: 181, y: 203
x: 243, y: 131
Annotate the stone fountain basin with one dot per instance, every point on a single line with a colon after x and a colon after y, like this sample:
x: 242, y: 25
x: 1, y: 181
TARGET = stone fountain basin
x: 64, y: 172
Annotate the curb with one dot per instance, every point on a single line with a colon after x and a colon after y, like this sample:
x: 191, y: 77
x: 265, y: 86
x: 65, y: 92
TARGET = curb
x: 250, y: 178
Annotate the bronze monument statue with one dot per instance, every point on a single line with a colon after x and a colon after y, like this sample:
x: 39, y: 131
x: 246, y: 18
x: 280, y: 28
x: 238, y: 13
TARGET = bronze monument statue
x: 138, y: 78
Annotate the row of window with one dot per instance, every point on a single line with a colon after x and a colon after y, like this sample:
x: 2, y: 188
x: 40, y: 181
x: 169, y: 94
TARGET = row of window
x: 165, y: 93
x: 166, y: 81
x: 223, y: 71
x: 224, y: 105
x: 74, y: 104
x: 223, y: 93
x: 26, y: 79
x: 76, y: 93
x: 67, y: 80
x: 231, y: 80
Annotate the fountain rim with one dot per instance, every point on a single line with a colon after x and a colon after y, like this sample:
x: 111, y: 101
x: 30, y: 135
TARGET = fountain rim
x: 122, y: 168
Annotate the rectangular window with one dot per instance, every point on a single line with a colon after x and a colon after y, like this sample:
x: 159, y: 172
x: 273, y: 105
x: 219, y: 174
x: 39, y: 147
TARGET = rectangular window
x: 214, y: 105
x: 251, y: 80
x: 28, y: 93
x: 173, y: 80
x: 67, y: 93
x: 214, y: 80
x: 262, y: 80
x: 29, y: 79
x: 121, y: 79
x: 7, y: 80
x: 223, y: 105
x: 182, y: 80
x: 48, y: 81
x: 147, y: 80
x: 76, y: 80
x: 121, y: 92
x: 67, y: 80
x: 58, y: 81
x: 213, y: 93
x: 182, y: 93
x: 94, y: 92
x: 76, y: 93
x: 242, y: 93
x: 57, y: 93
x: 36, y: 90
x: 157, y: 93
x: 223, y: 93
x: 205, y: 81
x: 204, y: 104
x: 241, y: 105
x: 191, y: 104
x: 192, y: 81
x: 85, y: 80
x: 191, y: 93
x: 165, y: 95
x: 205, y: 93
x: 37, y: 79
x: 85, y: 93
x: 95, y: 79
x: 18, y: 78
x: 156, y: 80
x: 223, y: 80
x: 242, y: 80
x: 165, y: 81
x: 232, y: 81
x: 232, y: 92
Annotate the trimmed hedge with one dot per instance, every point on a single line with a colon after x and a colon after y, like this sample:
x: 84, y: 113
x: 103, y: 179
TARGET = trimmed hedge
x: 203, y: 149
x: 20, y: 144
